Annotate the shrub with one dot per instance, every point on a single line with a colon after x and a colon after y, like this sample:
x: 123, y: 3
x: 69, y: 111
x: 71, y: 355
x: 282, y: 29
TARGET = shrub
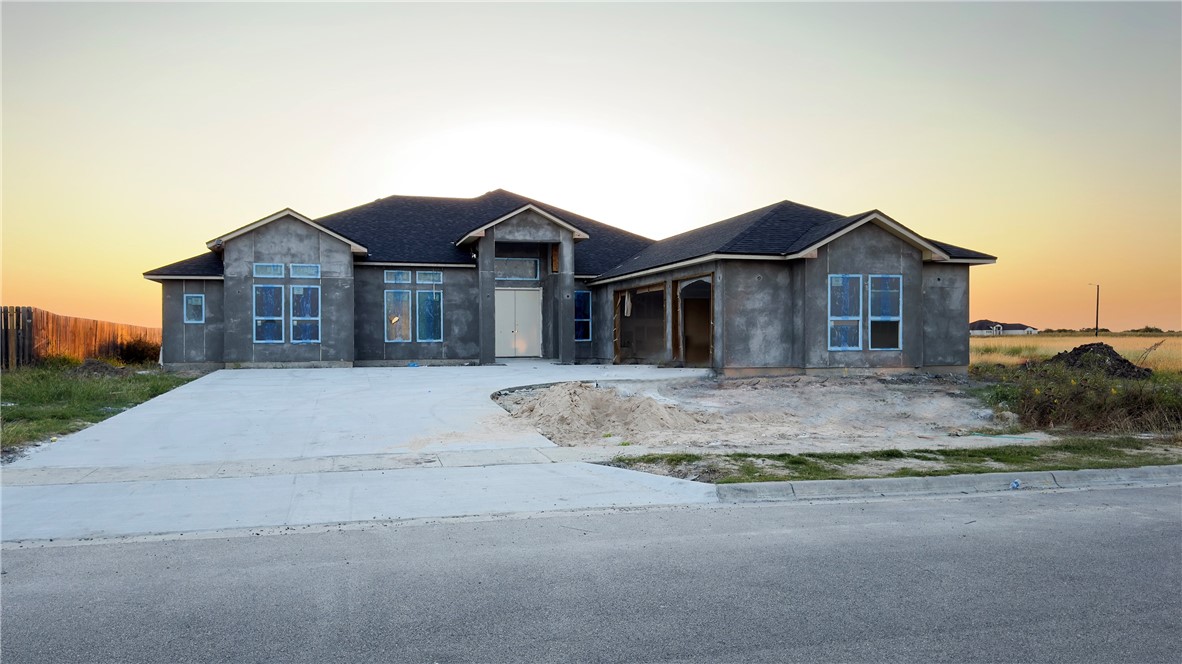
x: 58, y: 362
x: 1054, y: 396
x: 138, y: 351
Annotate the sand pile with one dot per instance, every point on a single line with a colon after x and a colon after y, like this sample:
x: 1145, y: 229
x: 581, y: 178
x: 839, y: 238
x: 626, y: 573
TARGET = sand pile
x: 1102, y: 357
x: 581, y: 410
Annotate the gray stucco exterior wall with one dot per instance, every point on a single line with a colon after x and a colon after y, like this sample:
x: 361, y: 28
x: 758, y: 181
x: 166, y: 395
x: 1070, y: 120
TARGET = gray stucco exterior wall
x: 756, y: 317
x: 946, y: 315
x: 195, y: 345
x: 461, y: 317
x: 865, y: 251
x: 765, y: 314
x: 288, y: 241
x: 773, y: 315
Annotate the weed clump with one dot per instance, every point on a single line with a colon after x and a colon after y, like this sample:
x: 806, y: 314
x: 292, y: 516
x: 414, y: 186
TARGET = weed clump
x: 138, y: 351
x: 1086, y: 397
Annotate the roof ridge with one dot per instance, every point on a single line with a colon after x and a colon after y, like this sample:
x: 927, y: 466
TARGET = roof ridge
x: 772, y: 209
x: 401, y: 196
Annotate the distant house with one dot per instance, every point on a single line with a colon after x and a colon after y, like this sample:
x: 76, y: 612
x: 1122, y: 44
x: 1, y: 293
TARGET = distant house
x: 985, y: 327
x: 783, y: 289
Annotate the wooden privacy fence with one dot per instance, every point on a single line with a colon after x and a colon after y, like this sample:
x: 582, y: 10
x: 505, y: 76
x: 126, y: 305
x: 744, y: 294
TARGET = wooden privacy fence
x: 29, y: 334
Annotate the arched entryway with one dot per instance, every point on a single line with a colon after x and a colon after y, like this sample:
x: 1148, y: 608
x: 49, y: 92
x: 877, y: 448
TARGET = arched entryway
x: 695, y: 321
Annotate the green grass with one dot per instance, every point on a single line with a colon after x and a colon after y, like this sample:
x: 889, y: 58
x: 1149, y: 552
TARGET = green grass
x: 49, y: 401
x: 1074, y: 453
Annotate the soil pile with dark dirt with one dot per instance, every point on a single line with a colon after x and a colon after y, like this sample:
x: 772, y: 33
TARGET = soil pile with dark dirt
x: 1102, y: 357
x: 97, y: 368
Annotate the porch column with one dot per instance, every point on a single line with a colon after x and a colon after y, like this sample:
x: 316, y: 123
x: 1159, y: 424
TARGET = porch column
x: 487, y: 285
x: 566, y: 299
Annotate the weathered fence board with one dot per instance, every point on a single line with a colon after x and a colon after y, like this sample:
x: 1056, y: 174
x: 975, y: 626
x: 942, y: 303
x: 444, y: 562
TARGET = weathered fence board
x: 28, y: 334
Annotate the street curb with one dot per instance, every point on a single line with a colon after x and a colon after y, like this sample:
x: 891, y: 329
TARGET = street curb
x: 759, y: 492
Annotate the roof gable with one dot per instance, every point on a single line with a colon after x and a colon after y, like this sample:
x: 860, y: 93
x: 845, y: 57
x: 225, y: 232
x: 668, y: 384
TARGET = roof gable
x: 286, y: 213
x: 784, y: 230
x: 426, y: 229
x: 477, y: 233
x: 826, y: 233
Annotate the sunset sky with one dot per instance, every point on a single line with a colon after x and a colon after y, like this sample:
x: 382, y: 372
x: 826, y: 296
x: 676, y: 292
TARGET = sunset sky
x: 1049, y: 135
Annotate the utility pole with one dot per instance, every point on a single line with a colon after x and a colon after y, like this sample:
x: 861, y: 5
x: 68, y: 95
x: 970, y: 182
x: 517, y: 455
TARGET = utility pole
x: 1097, y: 308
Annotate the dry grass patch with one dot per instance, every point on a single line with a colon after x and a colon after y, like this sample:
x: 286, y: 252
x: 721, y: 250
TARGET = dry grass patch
x: 1014, y: 350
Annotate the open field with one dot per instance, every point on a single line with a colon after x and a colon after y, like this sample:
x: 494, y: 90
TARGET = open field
x: 1010, y: 350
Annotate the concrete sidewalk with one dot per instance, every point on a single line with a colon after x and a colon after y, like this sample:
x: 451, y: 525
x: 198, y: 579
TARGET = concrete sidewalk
x: 114, y: 509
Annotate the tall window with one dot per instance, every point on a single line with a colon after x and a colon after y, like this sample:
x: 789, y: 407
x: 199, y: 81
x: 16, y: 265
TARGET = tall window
x: 429, y: 315
x: 268, y: 314
x: 886, y: 312
x: 194, y: 308
x: 398, y: 315
x: 305, y: 314
x: 845, y: 312
x: 582, y: 315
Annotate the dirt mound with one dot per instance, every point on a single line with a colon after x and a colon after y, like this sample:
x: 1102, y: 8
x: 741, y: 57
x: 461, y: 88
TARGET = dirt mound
x: 581, y: 410
x: 97, y: 368
x: 1100, y: 356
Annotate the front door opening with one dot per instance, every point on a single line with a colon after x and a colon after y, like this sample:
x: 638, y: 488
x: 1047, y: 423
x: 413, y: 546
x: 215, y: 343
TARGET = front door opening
x: 519, y: 322
x: 697, y: 332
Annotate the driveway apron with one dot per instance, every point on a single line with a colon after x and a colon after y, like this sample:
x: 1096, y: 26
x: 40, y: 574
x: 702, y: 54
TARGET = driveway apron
x: 254, y: 448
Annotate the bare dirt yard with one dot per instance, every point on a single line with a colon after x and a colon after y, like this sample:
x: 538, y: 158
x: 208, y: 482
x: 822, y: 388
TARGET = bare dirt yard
x: 769, y: 415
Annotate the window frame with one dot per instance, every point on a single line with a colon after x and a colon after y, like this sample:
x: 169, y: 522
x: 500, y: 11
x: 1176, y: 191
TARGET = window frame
x: 185, y: 308
x: 391, y: 276
x: 410, y: 328
x: 419, y: 317
x: 291, y: 269
x: 255, y: 271
x: 537, y: 268
x: 293, y: 318
x: 831, y: 318
x: 588, y: 319
x: 420, y: 277
x: 871, y: 318
x: 255, y: 318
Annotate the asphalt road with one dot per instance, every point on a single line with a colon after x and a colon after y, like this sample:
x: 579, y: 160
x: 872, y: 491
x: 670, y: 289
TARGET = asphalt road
x: 1069, y: 576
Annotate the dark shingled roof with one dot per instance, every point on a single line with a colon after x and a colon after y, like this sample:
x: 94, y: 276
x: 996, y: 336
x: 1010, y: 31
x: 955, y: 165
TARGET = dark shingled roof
x: 961, y: 253
x: 775, y: 230
x: 208, y: 264
x: 421, y: 229
x: 780, y: 229
x: 424, y: 229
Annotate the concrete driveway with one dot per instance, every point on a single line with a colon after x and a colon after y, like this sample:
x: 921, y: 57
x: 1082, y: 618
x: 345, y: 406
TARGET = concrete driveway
x: 250, y: 448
